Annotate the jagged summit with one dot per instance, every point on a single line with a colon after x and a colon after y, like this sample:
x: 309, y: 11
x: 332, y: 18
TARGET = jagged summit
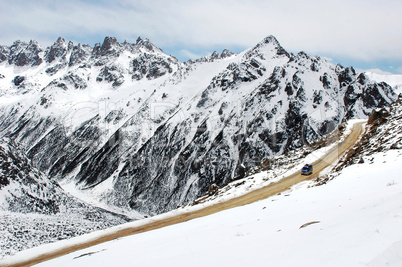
x: 270, y: 39
x: 268, y: 46
x: 32, y: 54
x: 23, y: 54
x: 139, y: 39
x: 108, y: 45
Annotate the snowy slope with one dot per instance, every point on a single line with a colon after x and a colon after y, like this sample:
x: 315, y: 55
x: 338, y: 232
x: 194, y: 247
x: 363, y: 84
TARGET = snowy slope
x: 352, y: 221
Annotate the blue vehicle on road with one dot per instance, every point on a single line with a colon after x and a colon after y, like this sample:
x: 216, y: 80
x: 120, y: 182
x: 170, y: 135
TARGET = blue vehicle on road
x: 307, y: 169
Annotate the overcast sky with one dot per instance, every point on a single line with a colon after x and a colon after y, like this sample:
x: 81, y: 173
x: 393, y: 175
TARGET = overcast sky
x: 362, y: 33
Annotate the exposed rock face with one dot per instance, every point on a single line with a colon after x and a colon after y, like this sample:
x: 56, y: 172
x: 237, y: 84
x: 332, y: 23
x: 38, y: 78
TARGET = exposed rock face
x: 79, y: 54
x: 160, y: 132
x: 111, y: 75
x: 150, y: 66
x: 23, y: 54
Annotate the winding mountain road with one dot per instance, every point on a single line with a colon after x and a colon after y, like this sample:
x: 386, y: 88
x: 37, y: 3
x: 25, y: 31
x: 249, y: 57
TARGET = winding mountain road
x: 272, y: 189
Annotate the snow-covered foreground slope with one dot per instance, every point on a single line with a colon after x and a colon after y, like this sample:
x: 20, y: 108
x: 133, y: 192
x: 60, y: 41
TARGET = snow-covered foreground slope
x: 355, y: 221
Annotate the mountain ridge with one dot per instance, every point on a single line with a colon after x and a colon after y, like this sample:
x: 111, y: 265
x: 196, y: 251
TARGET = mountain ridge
x: 160, y: 132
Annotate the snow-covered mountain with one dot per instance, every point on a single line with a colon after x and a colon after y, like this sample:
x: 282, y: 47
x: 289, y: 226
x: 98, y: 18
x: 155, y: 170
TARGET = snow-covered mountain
x: 354, y: 220
x: 140, y: 130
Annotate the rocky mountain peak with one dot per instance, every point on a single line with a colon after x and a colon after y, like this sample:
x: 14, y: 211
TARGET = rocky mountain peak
x: 108, y: 44
x: 23, y: 54
x: 145, y: 43
x: 226, y: 53
x: 270, y: 39
x: 139, y: 40
x: 79, y: 53
x: 269, y: 46
x: 345, y: 75
x: 215, y: 55
x: 57, y: 50
x: 16, y: 48
x: 60, y: 40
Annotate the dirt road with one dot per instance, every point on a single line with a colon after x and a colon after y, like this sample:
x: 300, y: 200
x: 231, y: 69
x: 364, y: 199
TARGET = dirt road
x: 284, y: 184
